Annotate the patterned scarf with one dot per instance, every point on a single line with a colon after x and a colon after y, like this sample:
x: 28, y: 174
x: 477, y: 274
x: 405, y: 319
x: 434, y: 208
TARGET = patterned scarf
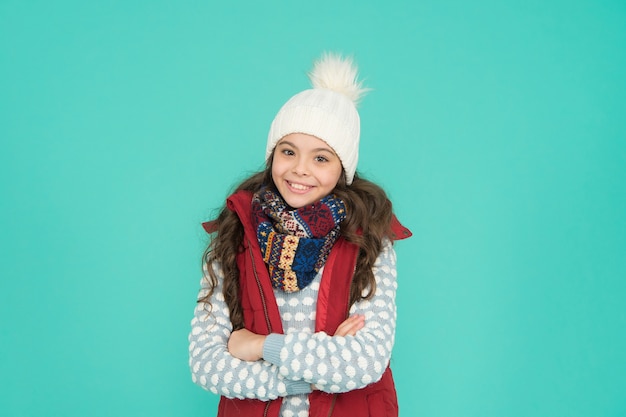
x: 295, y: 243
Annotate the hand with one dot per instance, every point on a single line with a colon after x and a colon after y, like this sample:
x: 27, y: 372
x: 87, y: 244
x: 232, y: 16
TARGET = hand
x: 351, y: 325
x: 245, y: 345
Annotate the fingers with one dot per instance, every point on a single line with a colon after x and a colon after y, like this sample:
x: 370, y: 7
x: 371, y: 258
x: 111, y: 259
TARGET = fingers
x: 351, y: 325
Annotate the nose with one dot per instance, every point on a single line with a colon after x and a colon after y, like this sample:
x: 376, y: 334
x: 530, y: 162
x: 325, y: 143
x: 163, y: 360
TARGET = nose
x: 300, y: 167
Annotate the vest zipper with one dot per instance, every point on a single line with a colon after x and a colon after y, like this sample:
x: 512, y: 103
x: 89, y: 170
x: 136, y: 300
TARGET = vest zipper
x: 267, y: 317
x: 258, y: 283
x: 332, y: 405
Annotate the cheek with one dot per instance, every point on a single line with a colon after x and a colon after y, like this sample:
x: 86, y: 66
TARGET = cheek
x: 275, y: 168
x: 278, y: 171
x: 275, y: 176
x: 333, y: 178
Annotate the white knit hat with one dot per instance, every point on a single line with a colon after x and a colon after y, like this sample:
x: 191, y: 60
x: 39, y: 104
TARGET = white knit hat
x: 328, y: 111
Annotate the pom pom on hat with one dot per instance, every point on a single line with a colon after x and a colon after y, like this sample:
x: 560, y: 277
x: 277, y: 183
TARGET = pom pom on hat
x: 328, y: 111
x: 338, y: 74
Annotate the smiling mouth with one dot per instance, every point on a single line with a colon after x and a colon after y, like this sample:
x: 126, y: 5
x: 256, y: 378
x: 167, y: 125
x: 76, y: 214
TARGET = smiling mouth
x: 299, y: 187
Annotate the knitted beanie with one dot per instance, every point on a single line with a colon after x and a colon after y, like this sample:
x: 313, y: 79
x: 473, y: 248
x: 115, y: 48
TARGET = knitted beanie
x: 327, y: 111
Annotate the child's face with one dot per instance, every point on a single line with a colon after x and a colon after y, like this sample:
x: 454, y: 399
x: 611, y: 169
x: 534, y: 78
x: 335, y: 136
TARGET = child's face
x: 305, y: 169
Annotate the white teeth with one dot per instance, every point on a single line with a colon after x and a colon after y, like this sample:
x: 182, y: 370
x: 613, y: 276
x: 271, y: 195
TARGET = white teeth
x: 299, y: 186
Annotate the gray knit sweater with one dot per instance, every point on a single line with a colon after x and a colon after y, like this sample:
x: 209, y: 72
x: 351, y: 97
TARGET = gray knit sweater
x: 300, y: 358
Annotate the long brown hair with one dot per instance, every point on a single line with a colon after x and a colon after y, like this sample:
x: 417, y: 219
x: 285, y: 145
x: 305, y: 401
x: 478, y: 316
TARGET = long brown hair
x: 368, y: 221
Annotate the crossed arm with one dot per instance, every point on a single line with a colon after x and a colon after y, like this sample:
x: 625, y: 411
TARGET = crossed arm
x: 239, y: 364
x: 248, y: 346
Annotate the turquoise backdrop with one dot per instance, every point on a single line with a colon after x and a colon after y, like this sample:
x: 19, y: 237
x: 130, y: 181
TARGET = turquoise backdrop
x: 498, y: 129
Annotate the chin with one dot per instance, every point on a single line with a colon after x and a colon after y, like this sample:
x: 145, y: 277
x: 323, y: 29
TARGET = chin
x: 297, y: 203
x: 296, y: 200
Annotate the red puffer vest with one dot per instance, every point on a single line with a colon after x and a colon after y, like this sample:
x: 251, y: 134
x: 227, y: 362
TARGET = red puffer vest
x: 261, y: 316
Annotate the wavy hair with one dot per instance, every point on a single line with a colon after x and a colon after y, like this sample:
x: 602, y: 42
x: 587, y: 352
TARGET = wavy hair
x: 367, y: 223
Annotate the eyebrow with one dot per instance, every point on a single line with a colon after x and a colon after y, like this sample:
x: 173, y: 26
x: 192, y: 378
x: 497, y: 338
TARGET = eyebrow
x: 286, y: 142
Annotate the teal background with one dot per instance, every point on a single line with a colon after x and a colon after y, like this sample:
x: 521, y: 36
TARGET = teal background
x: 498, y: 129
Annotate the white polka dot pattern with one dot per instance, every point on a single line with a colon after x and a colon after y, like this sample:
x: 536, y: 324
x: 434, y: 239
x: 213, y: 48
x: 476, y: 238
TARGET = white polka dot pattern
x: 331, y: 364
x: 355, y: 361
x: 215, y: 369
x: 339, y: 364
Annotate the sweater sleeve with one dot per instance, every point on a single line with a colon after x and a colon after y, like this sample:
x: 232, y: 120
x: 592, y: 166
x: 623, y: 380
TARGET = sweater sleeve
x: 340, y: 364
x: 216, y: 370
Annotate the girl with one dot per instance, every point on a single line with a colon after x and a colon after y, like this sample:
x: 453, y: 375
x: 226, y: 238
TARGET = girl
x: 296, y: 314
